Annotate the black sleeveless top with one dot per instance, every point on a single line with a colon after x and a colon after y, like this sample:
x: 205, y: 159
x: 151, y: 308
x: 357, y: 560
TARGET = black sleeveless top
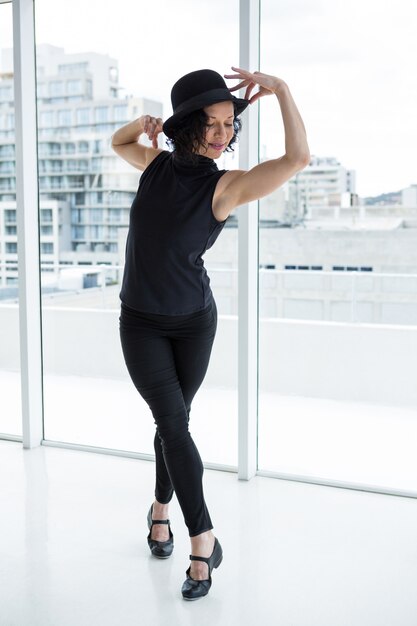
x: 171, y: 226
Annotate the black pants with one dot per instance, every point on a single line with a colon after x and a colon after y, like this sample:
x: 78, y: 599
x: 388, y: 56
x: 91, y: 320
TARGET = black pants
x: 167, y: 358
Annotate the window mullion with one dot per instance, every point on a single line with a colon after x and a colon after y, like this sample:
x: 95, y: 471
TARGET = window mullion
x: 248, y: 217
x: 27, y: 221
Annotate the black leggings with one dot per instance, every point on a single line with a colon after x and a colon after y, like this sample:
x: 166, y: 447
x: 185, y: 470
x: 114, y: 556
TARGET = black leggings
x: 167, y: 358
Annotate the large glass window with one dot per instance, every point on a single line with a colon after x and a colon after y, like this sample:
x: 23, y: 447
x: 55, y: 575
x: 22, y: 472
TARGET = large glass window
x: 338, y: 263
x: 83, y: 361
x: 11, y: 412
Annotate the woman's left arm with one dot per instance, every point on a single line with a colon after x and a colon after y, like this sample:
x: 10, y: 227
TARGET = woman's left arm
x: 264, y: 178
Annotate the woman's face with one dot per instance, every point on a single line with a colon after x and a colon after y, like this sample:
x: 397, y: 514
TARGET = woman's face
x: 219, y: 129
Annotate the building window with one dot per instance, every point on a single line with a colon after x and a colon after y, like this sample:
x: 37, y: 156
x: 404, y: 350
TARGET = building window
x: 114, y: 216
x: 96, y: 232
x: 96, y: 215
x: 46, y: 118
x: 79, y: 198
x: 70, y: 148
x: 6, y: 93
x: 11, y: 247
x: 96, y: 197
x: 7, y: 167
x: 6, y: 151
x: 71, y: 68
x: 10, y: 216
x: 78, y: 232
x: 72, y: 166
x: 350, y: 268
x: 74, y: 87
x: 46, y: 216
x: 113, y: 74
x: 101, y: 114
x: 303, y: 267
x: 47, y: 248
x: 56, y: 88
x: 64, y: 117
x: 41, y: 90
x: 83, y: 116
x: 7, y: 121
x: 120, y: 113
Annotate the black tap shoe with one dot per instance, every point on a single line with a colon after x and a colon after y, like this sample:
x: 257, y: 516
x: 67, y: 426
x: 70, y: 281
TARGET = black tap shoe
x: 194, y: 589
x: 160, y: 549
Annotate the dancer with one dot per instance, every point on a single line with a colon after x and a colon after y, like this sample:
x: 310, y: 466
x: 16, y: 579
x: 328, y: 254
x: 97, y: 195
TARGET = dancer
x: 168, y: 314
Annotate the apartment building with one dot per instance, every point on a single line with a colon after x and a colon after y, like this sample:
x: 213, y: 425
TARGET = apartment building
x: 79, y: 107
x: 323, y: 183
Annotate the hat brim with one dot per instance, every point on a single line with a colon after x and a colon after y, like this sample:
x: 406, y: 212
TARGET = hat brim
x: 202, y: 101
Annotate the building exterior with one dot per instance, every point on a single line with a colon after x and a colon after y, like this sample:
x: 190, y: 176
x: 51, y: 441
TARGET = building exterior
x: 361, y: 266
x: 409, y: 196
x: 55, y: 233
x: 79, y: 108
x: 323, y: 183
x: 314, y: 224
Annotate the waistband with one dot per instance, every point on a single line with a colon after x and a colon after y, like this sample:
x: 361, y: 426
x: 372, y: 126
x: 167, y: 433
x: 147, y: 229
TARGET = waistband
x: 160, y: 317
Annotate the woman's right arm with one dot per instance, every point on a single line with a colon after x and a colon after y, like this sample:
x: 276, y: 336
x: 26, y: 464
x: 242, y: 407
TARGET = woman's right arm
x: 125, y: 141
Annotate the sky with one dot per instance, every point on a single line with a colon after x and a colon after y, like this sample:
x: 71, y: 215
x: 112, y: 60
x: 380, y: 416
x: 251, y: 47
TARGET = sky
x: 350, y: 66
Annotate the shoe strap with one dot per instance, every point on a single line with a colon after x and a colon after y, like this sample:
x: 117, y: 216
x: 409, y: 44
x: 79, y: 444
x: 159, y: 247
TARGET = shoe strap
x: 199, y: 558
x: 160, y: 521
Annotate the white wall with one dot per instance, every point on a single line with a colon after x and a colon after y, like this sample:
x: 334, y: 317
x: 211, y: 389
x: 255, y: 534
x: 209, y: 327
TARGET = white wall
x: 360, y: 363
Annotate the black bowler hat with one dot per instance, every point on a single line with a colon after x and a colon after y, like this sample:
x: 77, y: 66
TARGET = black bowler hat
x: 197, y: 90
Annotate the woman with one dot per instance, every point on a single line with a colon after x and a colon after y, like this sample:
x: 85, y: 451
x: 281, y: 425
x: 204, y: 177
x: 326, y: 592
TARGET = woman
x: 168, y: 315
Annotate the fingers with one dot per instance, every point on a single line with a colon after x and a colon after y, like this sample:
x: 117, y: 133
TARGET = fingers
x: 241, y: 71
x: 249, y: 84
x: 256, y: 96
x: 267, y: 84
x: 240, y: 85
x: 248, y: 91
x: 247, y: 80
x: 152, y: 127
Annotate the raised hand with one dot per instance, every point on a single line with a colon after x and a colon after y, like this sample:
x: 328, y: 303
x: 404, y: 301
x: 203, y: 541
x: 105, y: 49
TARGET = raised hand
x: 152, y: 126
x: 267, y: 84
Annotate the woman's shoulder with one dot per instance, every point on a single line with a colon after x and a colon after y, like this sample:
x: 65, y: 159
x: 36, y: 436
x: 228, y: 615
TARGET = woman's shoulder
x: 156, y: 156
x: 154, y: 153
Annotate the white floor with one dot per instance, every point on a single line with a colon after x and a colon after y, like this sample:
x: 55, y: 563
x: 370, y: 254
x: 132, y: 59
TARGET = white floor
x: 73, y: 549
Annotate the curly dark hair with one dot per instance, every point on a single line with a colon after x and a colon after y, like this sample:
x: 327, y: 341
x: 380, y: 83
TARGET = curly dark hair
x: 189, y: 135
